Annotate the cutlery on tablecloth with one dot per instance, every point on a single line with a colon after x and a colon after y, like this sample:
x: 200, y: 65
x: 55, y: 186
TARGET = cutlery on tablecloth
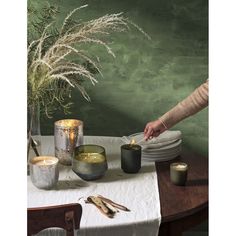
x: 114, y: 204
x: 105, y: 205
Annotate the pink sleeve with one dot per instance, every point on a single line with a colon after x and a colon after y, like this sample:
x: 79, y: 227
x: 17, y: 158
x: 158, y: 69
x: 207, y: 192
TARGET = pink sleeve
x: 195, y: 102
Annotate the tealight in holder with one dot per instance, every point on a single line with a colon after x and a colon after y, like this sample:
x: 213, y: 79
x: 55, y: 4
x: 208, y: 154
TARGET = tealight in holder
x: 68, y: 134
x: 131, y: 158
x: 179, y: 173
x: 90, y: 162
x: 44, y: 171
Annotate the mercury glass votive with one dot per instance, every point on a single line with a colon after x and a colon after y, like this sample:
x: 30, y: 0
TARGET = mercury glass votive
x: 89, y: 161
x: 131, y: 158
x: 68, y: 134
x: 178, y: 173
x: 44, y: 171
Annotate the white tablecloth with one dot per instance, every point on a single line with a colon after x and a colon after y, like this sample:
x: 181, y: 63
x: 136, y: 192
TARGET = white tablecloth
x: 139, y: 192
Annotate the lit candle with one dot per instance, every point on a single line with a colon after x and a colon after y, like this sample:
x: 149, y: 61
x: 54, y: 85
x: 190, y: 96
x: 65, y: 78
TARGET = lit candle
x: 45, y: 162
x: 91, y: 157
x: 68, y: 134
x: 178, y: 173
x: 89, y: 161
x: 72, y: 138
x: 44, y: 171
x: 132, y: 142
x: 131, y: 157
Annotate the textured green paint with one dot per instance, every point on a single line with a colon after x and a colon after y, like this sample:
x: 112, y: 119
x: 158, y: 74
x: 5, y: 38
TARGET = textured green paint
x: 147, y: 77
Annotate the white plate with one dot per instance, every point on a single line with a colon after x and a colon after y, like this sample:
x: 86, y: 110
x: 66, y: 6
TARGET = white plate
x: 169, y: 136
x: 167, y: 158
x: 167, y: 147
x: 155, y: 156
x: 161, y: 151
x: 159, y: 160
x: 161, y: 155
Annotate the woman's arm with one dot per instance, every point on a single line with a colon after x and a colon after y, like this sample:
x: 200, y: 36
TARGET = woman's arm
x: 195, y: 102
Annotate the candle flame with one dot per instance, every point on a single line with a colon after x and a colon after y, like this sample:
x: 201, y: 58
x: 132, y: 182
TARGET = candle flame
x: 132, y: 142
x: 44, y: 162
x: 70, y: 123
x: 72, y: 137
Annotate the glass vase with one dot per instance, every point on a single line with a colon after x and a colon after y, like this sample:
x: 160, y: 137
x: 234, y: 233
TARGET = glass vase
x: 34, y: 133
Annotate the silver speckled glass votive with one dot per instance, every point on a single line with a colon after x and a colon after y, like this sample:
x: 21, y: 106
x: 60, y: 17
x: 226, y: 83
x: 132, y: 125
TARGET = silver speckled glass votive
x: 44, y: 171
x: 68, y: 134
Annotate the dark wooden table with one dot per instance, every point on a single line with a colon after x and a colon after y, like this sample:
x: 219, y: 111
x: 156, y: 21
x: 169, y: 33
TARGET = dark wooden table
x: 183, y: 207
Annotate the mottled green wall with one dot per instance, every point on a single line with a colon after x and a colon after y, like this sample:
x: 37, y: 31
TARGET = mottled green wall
x: 147, y: 77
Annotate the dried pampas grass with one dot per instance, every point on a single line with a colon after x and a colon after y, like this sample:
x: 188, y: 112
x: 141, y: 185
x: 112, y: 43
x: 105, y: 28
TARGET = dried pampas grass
x: 51, y: 71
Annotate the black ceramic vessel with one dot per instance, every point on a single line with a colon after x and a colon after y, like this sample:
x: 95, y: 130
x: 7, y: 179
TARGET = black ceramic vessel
x: 130, y: 158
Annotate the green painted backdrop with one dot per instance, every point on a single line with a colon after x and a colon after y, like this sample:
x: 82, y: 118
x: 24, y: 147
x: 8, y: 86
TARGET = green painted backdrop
x: 147, y: 77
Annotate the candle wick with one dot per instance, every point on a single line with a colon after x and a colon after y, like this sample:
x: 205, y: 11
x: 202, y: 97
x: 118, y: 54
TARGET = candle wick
x: 132, y: 142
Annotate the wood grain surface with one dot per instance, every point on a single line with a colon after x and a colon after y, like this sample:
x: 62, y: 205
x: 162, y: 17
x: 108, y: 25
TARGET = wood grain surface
x: 178, y: 202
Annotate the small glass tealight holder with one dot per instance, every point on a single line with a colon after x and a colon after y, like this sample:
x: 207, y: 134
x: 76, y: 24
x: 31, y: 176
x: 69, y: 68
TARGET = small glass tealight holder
x: 44, y: 171
x: 178, y: 173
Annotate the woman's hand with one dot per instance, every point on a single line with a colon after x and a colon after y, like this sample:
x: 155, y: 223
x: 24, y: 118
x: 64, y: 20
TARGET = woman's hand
x: 153, y: 129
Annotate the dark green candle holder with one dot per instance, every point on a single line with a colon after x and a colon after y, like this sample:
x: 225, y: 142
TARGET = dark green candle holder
x: 131, y: 158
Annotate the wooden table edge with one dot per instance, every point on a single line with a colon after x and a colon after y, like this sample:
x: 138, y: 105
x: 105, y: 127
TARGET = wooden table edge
x: 184, y: 214
x: 175, y: 224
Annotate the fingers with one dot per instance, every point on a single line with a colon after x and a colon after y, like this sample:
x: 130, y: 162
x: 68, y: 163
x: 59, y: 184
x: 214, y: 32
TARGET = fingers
x: 154, y: 134
x: 149, y: 138
x: 147, y: 127
x: 157, y: 133
x: 149, y: 133
x: 152, y: 129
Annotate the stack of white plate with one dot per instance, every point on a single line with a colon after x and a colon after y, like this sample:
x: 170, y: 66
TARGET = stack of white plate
x: 165, y: 147
x: 165, y: 153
